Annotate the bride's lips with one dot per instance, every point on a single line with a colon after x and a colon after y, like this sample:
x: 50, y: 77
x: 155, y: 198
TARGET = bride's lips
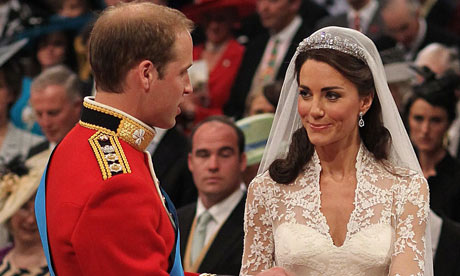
x: 318, y: 126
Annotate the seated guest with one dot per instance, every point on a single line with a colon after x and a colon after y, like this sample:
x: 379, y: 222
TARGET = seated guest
x: 267, y: 55
x: 440, y: 58
x: 429, y: 113
x: 362, y: 15
x: 211, y: 229
x: 220, y: 53
x: 407, y: 30
x: 25, y: 255
x: 264, y: 101
x: 56, y: 99
x: 13, y: 141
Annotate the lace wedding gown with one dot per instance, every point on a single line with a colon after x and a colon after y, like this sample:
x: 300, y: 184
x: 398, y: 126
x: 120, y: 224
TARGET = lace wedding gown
x: 284, y: 225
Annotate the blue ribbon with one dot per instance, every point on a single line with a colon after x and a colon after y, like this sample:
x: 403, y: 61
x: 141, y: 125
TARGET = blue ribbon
x: 40, y: 214
x: 176, y: 269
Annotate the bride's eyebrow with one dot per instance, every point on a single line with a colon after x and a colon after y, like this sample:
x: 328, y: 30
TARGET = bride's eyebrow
x: 324, y: 89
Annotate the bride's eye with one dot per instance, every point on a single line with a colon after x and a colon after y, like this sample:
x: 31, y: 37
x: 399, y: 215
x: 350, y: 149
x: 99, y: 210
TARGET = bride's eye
x: 304, y: 93
x: 332, y: 95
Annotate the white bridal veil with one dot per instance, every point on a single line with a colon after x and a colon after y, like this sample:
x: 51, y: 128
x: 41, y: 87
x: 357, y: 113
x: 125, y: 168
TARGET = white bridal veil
x: 287, y: 119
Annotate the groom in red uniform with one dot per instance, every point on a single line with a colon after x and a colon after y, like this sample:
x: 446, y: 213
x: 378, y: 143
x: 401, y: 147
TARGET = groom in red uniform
x: 105, y: 212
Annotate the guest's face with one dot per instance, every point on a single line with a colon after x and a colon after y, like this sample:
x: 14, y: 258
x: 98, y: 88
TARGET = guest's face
x: 73, y: 8
x: 219, y: 26
x: 215, y: 161
x: 260, y: 105
x: 329, y: 105
x: 276, y: 14
x: 23, y: 226
x: 52, y: 50
x: 55, y: 112
x: 401, y: 23
x: 427, y: 124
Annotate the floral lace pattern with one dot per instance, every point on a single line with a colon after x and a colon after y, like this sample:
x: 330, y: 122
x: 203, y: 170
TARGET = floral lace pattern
x: 284, y: 225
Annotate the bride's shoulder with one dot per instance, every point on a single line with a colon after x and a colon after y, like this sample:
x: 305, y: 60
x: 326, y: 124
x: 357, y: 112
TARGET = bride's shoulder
x: 262, y: 179
x: 407, y: 178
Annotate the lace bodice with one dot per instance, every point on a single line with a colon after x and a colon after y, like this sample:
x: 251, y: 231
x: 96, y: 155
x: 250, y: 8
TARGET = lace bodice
x: 284, y: 225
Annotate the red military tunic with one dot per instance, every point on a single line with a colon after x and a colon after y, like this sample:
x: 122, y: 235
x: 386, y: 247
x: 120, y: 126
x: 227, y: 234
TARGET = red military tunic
x: 105, y: 213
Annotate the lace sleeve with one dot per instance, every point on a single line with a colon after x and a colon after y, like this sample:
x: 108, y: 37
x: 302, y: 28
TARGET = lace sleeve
x: 258, y: 254
x: 411, y: 216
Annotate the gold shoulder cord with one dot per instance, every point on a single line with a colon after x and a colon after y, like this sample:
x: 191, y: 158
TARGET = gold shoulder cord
x: 109, y: 154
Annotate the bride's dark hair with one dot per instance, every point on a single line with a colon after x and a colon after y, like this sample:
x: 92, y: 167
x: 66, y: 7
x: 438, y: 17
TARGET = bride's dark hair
x: 374, y: 135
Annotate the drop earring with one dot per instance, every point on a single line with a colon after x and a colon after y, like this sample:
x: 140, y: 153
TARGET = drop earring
x: 361, y: 121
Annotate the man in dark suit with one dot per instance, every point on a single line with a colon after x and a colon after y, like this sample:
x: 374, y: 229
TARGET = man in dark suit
x: 445, y: 236
x: 267, y: 56
x: 212, y: 228
x: 408, y: 30
x: 55, y: 97
x: 362, y: 15
x: 169, y: 154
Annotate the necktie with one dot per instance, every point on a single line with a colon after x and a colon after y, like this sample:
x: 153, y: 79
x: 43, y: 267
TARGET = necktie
x: 269, y: 71
x: 199, y: 235
x: 357, y: 22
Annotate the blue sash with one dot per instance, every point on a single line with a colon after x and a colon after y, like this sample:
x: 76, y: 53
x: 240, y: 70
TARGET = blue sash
x: 40, y: 214
x: 176, y: 269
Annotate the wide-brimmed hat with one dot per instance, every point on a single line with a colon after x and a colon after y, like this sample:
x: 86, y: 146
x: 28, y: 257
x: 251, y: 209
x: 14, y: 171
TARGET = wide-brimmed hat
x: 256, y: 130
x: 196, y: 11
x: 17, y: 190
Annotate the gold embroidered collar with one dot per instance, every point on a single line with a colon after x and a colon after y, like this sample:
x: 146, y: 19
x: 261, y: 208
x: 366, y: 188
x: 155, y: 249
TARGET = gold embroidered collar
x: 114, y: 122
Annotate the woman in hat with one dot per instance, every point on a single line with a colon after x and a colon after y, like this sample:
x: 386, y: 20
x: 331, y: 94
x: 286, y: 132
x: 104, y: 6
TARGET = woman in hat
x: 340, y: 190
x: 429, y: 114
x: 17, y: 196
x: 220, y: 52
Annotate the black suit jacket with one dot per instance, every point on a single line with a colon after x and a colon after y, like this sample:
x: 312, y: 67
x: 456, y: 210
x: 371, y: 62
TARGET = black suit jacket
x: 251, y: 59
x: 446, y: 261
x: 225, y: 254
x: 171, y: 169
x: 433, y: 34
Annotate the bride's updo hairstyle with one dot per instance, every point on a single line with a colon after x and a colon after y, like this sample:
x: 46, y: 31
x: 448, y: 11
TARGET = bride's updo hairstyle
x: 374, y: 135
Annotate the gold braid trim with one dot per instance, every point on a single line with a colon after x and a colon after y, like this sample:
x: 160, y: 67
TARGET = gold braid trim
x: 128, y: 130
x: 109, y: 154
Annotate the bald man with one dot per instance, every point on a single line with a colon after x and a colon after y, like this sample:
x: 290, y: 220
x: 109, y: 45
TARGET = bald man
x: 408, y: 30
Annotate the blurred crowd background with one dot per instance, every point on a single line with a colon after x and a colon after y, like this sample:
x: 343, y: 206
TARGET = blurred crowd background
x: 241, y: 52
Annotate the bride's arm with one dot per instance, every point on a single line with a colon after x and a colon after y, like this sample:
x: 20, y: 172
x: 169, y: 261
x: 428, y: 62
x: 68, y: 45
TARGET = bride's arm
x: 411, y: 213
x: 258, y: 254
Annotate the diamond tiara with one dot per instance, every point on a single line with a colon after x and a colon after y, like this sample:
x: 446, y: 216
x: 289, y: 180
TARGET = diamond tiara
x: 325, y: 40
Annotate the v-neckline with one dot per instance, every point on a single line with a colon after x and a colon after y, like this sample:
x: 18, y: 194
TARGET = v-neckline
x: 355, y: 201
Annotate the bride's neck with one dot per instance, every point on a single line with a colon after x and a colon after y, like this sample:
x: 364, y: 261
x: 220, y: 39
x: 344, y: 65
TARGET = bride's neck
x: 338, y: 163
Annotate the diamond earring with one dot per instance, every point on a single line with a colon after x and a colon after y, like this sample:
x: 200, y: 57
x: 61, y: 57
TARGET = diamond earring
x: 361, y: 121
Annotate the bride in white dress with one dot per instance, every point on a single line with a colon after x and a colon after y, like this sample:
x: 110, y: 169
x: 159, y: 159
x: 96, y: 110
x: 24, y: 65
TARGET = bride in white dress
x: 340, y: 191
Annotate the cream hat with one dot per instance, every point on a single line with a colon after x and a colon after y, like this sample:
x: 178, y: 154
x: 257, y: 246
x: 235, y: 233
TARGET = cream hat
x: 17, y: 190
x: 256, y: 130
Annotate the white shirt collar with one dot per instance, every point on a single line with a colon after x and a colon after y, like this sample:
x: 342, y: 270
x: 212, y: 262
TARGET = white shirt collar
x: 222, y: 210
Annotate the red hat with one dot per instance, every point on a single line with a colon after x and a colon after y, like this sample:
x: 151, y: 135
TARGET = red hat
x: 200, y: 7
